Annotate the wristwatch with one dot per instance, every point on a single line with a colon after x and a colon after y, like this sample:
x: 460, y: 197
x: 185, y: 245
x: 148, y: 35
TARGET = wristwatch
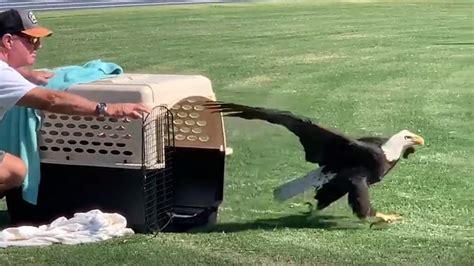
x: 100, y: 109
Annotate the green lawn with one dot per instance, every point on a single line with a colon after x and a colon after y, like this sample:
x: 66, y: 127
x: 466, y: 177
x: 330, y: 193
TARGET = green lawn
x: 365, y: 67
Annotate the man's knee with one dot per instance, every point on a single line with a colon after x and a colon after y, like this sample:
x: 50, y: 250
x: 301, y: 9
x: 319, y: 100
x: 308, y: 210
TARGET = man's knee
x: 12, y: 171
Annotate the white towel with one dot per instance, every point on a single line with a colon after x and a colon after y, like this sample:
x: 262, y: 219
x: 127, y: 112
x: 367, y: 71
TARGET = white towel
x: 86, y: 227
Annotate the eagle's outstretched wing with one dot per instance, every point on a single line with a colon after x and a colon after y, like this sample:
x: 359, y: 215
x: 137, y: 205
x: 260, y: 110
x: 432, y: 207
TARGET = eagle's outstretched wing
x: 318, y: 142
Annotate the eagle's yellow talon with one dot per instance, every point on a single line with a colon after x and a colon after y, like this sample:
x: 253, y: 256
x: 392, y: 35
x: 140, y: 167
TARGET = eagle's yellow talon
x: 385, y: 218
x: 388, y: 217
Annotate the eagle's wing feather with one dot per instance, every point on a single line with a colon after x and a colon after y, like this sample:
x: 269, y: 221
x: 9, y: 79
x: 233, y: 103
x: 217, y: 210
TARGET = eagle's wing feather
x: 379, y: 141
x: 316, y: 140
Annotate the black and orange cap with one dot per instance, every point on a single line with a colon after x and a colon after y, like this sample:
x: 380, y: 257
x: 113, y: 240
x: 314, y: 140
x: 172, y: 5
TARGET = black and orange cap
x: 15, y: 21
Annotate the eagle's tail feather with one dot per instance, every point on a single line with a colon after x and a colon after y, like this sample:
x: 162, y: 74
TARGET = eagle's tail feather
x: 292, y: 188
x: 298, y: 186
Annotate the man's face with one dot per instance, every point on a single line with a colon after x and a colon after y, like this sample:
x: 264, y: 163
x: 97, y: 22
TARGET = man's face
x: 21, y: 49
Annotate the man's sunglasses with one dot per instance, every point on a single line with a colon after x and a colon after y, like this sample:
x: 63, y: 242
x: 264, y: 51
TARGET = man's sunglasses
x: 31, y: 40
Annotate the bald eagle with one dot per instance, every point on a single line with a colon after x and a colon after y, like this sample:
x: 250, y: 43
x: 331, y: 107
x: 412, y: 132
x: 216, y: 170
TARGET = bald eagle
x: 346, y: 165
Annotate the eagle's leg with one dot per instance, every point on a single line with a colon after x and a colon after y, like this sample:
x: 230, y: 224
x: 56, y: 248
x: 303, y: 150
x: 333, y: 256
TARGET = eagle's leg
x: 312, y: 211
x: 310, y: 207
x: 385, y: 218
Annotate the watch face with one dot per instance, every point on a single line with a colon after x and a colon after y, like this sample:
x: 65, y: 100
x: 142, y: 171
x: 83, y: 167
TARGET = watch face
x: 101, y: 108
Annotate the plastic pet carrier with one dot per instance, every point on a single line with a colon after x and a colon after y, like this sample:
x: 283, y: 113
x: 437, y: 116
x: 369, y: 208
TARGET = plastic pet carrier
x: 163, y: 173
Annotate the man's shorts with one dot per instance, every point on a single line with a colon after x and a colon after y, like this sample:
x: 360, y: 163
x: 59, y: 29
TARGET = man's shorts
x: 2, y: 155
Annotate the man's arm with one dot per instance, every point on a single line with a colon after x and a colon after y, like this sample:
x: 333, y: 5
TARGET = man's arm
x: 68, y: 103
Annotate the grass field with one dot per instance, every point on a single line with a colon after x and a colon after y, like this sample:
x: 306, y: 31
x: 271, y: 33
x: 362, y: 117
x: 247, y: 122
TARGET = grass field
x: 365, y: 67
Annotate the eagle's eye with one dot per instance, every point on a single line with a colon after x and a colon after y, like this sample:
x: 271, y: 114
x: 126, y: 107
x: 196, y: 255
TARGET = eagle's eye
x: 407, y: 137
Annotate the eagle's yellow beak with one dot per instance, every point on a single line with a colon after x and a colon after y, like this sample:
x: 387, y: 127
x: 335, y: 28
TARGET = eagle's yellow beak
x: 418, y: 140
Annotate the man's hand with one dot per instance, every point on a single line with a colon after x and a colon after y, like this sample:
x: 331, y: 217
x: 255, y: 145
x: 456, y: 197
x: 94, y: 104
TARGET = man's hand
x: 132, y: 110
x: 38, y: 77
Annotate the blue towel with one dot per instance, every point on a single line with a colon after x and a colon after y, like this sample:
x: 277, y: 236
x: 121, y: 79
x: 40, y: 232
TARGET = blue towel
x: 19, y: 127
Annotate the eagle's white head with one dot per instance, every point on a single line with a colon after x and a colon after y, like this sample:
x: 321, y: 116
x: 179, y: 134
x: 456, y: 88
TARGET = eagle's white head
x: 399, y: 143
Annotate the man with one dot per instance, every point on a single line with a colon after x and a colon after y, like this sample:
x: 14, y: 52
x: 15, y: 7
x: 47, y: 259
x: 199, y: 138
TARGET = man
x: 20, y: 38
